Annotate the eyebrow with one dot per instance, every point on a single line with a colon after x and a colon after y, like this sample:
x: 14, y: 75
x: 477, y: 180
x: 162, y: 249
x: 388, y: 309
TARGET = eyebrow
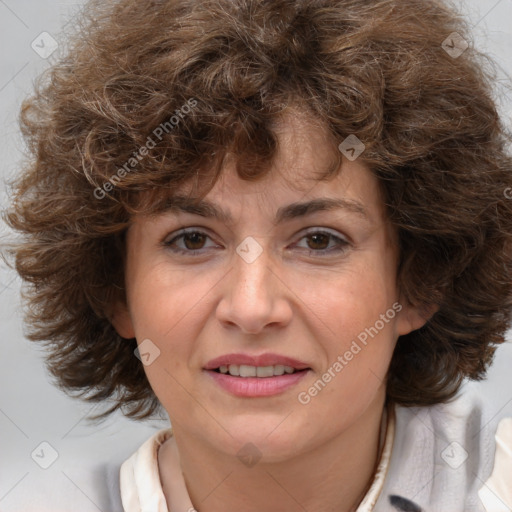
x: 296, y: 210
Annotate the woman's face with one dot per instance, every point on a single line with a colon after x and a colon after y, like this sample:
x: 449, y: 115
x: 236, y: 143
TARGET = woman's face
x: 278, y: 284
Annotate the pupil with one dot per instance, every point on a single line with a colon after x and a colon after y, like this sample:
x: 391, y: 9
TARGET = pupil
x: 316, y: 238
x: 194, y: 237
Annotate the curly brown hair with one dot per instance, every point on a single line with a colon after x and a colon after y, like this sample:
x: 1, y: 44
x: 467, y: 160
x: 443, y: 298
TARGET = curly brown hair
x: 110, y: 135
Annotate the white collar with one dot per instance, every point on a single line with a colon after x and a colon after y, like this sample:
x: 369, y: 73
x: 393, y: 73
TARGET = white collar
x: 141, y: 488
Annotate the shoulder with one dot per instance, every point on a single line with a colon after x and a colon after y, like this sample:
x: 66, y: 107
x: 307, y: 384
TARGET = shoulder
x: 444, y: 454
x: 496, y: 493
x: 139, y: 478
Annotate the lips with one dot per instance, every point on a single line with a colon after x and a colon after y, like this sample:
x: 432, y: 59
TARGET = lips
x: 263, y: 360
x: 248, y: 376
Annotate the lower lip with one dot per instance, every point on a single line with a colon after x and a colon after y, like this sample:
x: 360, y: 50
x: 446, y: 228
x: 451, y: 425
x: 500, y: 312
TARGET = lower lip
x: 257, y: 386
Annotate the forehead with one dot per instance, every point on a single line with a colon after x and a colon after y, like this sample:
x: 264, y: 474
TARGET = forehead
x: 352, y: 193
x: 308, y: 173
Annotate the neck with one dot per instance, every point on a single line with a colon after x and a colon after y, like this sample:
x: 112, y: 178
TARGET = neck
x: 333, y: 476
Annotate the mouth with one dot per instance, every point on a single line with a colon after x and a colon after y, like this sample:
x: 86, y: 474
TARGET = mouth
x: 248, y: 365
x: 263, y: 375
x: 248, y: 381
x: 263, y: 372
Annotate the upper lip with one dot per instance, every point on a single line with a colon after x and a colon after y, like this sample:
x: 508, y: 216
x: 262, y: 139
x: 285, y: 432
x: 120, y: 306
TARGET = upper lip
x: 268, y: 359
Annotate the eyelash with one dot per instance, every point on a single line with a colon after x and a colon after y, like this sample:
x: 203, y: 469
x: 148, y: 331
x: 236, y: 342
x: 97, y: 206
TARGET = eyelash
x: 342, y: 243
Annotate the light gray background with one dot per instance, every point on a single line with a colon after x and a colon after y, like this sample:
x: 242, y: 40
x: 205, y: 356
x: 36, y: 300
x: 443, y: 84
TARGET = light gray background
x: 32, y: 411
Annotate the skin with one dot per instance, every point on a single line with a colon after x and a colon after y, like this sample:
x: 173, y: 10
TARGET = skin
x: 318, y: 456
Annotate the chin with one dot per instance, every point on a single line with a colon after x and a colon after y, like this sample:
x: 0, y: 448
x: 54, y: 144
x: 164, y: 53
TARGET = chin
x: 266, y: 440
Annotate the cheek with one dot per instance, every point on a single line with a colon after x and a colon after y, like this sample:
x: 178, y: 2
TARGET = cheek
x: 167, y: 307
x: 348, y: 301
x: 353, y: 315
x: 163, y: 299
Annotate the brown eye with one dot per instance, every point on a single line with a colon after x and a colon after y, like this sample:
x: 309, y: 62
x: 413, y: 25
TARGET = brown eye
x: 323, y: 243
x: 193, y: 241
x: 188, y: 242
x: 319, y: 241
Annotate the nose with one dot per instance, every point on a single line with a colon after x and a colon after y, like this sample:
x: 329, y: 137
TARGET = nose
x: 255, y: 296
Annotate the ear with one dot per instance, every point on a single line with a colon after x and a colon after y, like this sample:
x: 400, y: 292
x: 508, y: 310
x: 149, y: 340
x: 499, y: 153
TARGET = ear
x: 122, y: 320
x: 411, y: 318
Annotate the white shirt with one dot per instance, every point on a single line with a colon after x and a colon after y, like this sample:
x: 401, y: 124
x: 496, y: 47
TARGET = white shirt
x: 433, y: 459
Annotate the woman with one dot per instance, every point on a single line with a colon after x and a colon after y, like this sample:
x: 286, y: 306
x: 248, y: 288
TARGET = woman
x: 284, y: 222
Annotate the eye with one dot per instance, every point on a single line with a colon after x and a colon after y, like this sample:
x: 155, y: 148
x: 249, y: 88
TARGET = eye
x: 192, y: 240
x: 324, y: 242
x: 319, y: 243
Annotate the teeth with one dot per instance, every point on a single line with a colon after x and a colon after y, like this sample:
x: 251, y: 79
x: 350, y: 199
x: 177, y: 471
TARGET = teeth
x: 234, y: 369
x: 245, y: 370
x: 265, y: 371
x: 278, y: 369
